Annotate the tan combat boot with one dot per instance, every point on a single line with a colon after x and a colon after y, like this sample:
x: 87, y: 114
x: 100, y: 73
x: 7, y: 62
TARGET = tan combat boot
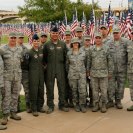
x: 110, y: 104
x: 119, y: 104
x: 83, y: 108
x: 103, y: 108
x: 3, y: 127
x: 5, y: 119
x: 35, y: 113
x: 130, y: 108
x: 96, y: 107
x: 15, y: 116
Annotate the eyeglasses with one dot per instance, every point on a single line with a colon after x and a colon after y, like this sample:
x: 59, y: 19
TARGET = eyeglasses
x: 13, y: 37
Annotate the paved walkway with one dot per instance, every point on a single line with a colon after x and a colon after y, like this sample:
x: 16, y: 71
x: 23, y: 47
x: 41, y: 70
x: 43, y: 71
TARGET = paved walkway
x: 114, y: 121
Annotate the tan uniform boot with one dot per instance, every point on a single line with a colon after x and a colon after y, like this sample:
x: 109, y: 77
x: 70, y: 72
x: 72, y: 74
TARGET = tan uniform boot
x: 15, y: 116
x: 3, y: 127
x: 5, y: 119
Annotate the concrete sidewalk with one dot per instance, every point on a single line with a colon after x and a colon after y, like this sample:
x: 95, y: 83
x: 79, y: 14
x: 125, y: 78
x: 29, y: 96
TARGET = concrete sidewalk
x: 114, y: 121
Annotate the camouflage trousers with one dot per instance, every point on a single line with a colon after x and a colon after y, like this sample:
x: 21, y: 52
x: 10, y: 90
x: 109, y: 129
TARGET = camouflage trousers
x: 116, y: 86
x: 25, y: 83
x: 0, y: 97
x: 99, y: 89
x: 89, y: 88
x: 130, y: 80
x: 79, y: 93
x: 10, y: 94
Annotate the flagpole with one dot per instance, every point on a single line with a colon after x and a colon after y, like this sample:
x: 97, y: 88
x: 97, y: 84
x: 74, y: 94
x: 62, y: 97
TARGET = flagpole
x: 76, y: 13
x: 65, y: 17
x: 93, y: 10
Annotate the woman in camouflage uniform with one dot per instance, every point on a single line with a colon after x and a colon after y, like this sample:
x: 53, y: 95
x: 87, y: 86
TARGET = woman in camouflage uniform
x: 77, y: 75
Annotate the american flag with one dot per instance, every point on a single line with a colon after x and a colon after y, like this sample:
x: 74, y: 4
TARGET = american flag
x: 74, y: 23
x: 92, y: 26
x: 125, y: 24
x: 83, y: 23
x: 0, y: 30
x: 103, y: 19
x: 110, y: 20
x: 128, y: 24
x: 62, y: 29
x: 122, y: 24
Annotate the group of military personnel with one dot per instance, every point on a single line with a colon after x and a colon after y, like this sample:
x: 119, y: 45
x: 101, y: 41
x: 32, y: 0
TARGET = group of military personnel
x: 87, y: 74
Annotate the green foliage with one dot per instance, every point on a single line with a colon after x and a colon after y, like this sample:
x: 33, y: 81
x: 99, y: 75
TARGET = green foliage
x: 4, y: 39
x: 53, y: 10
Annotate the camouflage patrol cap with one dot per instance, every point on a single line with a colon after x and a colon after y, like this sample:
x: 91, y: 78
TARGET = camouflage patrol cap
x: 75, y: 40
x: 67, y: 32
x: 116, y: 29
x: 103, y: 26
x: 87, y: 37
x: 79, y: 29
x: 43, y: 34
x: 20, y: 34
x: 98, y: 35
x: 12, y: 34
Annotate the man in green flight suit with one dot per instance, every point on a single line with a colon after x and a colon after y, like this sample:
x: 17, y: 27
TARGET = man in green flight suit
x: 54, y: 57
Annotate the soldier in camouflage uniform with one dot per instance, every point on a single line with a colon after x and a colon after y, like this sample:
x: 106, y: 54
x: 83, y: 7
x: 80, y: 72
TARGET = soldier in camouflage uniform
x: 118, y: 50
x: 36, y: 77
x: 2, y: 127
x: 86, y: 48
x: 54, y: 57
x: 75, y: 64
x: 25, y: 71
x: 68, y: 93
x: 79, y: 34
x: 100, y: 67
x: 43, y: 39
x: 12, y: 56
x: 105, y: 36
x: 130, y: 69
x: 68, y: 38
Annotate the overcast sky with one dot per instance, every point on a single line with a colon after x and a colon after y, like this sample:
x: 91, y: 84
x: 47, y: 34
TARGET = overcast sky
x: 12, y: 4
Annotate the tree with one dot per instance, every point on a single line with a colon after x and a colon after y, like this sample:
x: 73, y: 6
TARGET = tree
x: 53, y: 10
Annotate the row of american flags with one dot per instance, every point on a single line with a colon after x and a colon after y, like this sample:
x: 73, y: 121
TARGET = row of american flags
x: 89, y: 27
